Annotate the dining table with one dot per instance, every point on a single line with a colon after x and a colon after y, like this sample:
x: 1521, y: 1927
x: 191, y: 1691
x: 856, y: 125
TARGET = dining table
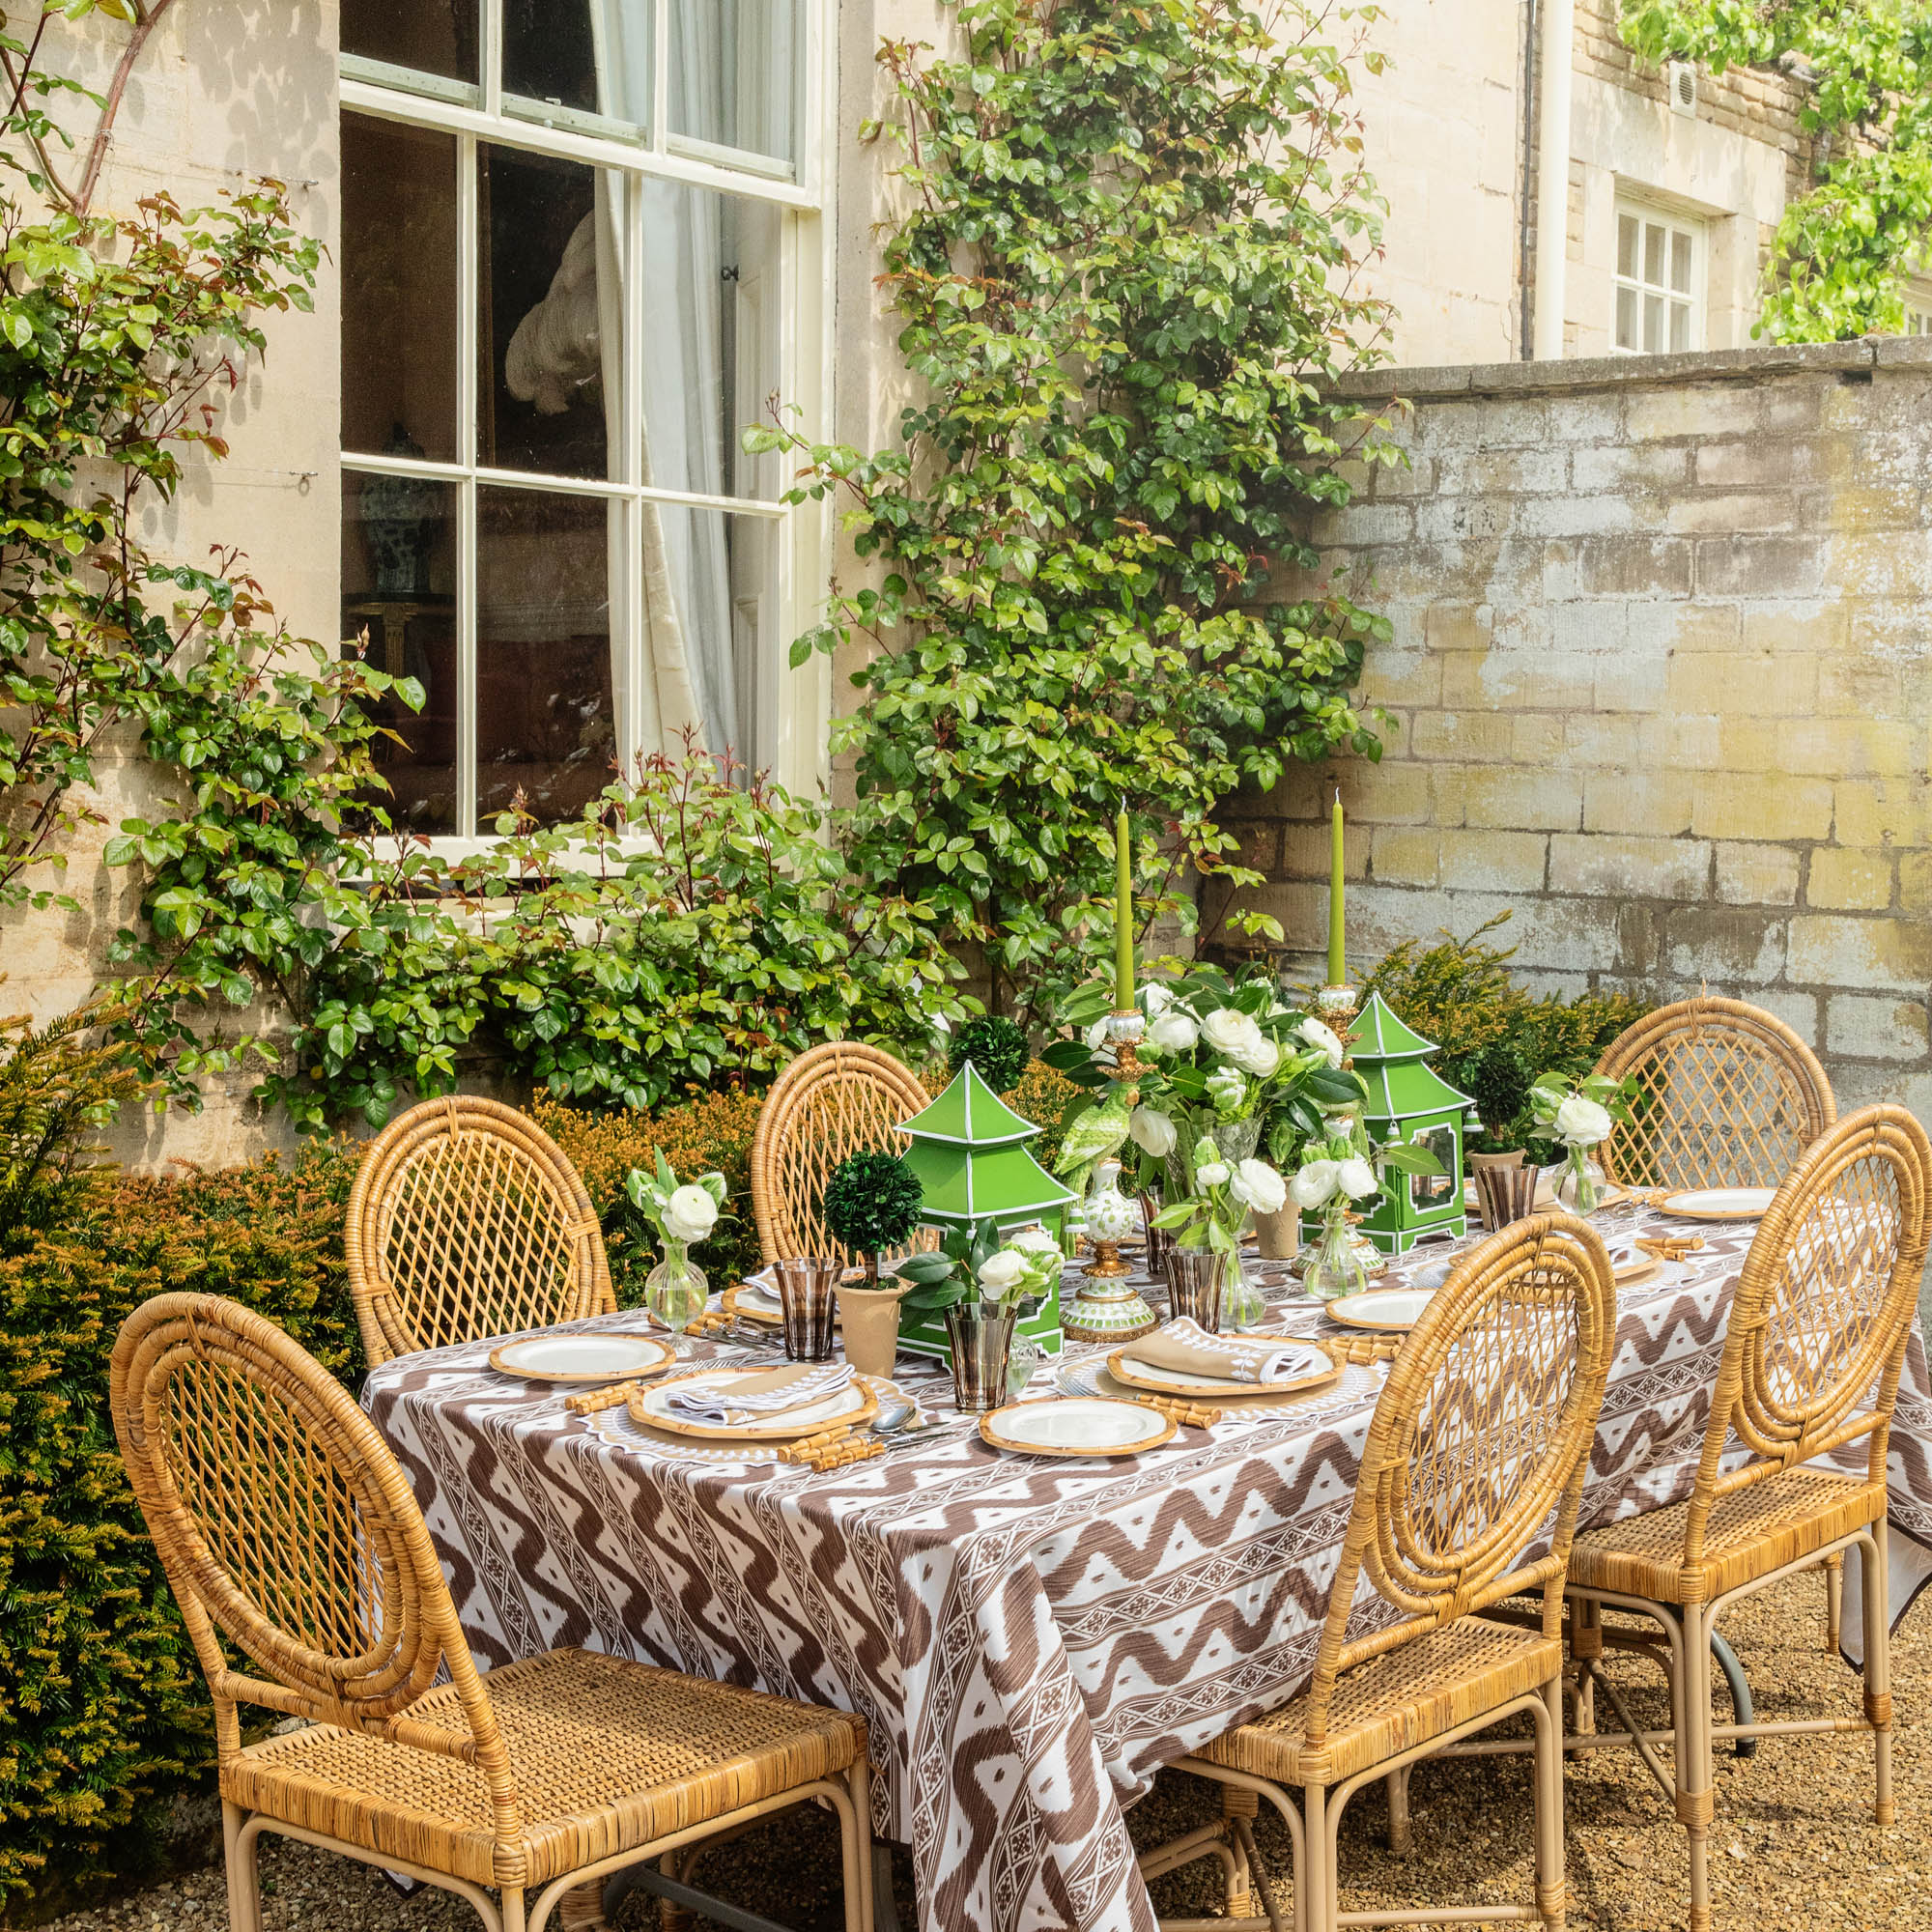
x: 1029, y: 1638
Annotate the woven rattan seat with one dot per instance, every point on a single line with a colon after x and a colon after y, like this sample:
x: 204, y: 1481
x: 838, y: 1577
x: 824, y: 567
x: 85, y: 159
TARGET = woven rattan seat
x: 1476, y: 1458
x: 1395, y: 1702
x: 1813, y: 1349
x: 838, y: 1099
x: 467, y: 1220
x: 609, y: 1755
x: 1748, y: 1533
x: 292, y: 1541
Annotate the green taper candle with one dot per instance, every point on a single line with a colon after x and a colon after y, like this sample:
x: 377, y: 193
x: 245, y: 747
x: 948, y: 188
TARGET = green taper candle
x: 1123, y: 914
x: 1338, y: 965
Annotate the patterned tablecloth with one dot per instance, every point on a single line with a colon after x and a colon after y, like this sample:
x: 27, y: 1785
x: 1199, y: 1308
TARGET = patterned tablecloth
x: 1028, y: 1639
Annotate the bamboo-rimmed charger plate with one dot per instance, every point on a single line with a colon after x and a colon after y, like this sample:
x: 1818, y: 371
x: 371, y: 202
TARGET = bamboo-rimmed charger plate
x: 1383, y: 1310
x: 1071, y: 1425
x: 1174, y: 1383
x: 547, y: 1357
x: 1716, y: 1204
x: 848, y: 1407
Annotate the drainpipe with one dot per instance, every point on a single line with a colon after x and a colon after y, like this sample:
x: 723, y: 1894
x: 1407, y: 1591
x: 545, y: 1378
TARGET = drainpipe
x: 1526, y: 189
x: 1552, y: 174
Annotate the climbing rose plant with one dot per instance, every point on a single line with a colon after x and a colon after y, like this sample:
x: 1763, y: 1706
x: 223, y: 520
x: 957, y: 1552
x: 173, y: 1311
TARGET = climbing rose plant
x: 1128, y: 276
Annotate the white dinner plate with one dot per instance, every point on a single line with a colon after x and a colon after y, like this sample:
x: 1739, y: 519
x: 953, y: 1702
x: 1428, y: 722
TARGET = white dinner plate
x: 1719, y: 1204
x: 1385, y: 1308
x: 582, y: 1359
x: 1075, y: 1425
x: 653, y: 1406
x: 760, y: 1295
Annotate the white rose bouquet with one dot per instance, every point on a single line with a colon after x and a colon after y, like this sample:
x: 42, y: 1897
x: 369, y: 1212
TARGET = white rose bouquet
x: 1226, y: 1191
x: 1583, y: 1115
x: 682, y: 1213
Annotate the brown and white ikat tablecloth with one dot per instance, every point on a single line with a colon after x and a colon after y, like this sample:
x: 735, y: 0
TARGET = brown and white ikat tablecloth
x: 1029, y: 1640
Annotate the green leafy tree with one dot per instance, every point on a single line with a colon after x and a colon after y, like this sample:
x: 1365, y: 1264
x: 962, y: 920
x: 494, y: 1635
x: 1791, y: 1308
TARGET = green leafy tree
x: 1128, y: 276
x: 1843, y: 249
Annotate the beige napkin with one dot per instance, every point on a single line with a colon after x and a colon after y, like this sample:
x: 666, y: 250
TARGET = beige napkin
x: 1187, y: 1349
x: 759, y: 1398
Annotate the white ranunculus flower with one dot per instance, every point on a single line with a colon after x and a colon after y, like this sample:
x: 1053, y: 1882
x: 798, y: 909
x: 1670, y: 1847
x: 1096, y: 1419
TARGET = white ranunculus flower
x: 1000, y: 1270
x: 690, y: 1213
x: 1356, y: 1179
x: 1257, y: 1185
x: 1261, y: 1059
x: 1097, y: 1036
x: 1032, y: 1241
x: 1228, y: 1091
x: 1581, y: 1123
x: 1315, y: 1184
x: 1155, y: 999
x: 1174, y: 1031
x: 1210, y: 1173
x: 1316, y: 1034
x: 1153, y: 1131
x: 1230, y: 1031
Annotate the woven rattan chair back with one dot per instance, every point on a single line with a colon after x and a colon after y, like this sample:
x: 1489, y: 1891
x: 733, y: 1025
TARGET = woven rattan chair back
x: 835, y: 1100
x: 287, y: 1530
x: 1727, y: 1095
x: 1480, y: 1444
x: 1823, y: 1309
x: 466, y: 1220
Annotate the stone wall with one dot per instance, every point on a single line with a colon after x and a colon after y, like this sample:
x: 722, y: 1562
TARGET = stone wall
x: 1661, y: 685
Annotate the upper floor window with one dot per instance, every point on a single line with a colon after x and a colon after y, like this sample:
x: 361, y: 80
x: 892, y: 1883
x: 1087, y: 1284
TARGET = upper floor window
x: 579, y: 252
x: 1919, y: 309
x: 1659, y: 307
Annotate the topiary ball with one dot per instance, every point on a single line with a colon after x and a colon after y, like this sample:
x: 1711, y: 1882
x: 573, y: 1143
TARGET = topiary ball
x: 872, y: 1203
x: 997, y: 1048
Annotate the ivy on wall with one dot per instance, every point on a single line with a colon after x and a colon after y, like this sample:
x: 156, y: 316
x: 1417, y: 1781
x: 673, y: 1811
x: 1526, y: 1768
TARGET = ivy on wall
x: 1128, y: 273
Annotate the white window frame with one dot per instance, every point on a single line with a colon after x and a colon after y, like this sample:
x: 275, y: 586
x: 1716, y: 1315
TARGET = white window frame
x: 793, y: 707
x: 1918, y: 308
x: 1695, y: 300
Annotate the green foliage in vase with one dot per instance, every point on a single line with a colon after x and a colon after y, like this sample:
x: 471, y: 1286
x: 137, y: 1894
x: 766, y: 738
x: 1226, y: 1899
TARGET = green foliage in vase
x: 872, y: 1203
x: 1844, y: 249
x: 1126, y: 279
x: 997, y: 1048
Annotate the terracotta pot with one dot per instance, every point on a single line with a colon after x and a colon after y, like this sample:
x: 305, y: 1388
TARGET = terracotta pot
x: 1280, y: 1234
x: 869, y: 1319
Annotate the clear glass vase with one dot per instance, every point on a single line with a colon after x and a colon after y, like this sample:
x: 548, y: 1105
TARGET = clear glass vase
x: 1236, y: 1141
x: 1580, y: 1188
x: 1242, y: 1303
x: 1337, y: 1268
x: 676, y: 1291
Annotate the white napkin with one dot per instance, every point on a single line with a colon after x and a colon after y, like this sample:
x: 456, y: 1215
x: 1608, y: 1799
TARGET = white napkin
x: 1187, y: 1349
x: 759, y: 1398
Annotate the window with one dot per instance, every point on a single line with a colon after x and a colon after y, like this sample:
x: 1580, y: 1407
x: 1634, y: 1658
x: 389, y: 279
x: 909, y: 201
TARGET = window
x: 579, y: 252
x: 1918, y: 308
x: 1658, y: 309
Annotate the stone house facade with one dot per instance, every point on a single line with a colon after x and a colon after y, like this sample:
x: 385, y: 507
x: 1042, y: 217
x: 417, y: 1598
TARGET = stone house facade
x: 572, y: 243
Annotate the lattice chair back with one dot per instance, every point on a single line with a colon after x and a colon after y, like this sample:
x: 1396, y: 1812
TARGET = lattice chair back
x: 1727, y: 1095
x: 466, y: 1220
x: 835, y: 1100
x: 1480, y: 1444
x: 1822, y: 1309
x: 288, y: 1532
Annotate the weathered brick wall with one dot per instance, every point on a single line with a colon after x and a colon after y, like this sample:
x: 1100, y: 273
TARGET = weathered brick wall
x: 1661, y: 678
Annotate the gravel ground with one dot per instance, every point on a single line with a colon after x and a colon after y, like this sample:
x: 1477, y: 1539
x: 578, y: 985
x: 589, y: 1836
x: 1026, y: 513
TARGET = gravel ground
x: 1794, y: 1846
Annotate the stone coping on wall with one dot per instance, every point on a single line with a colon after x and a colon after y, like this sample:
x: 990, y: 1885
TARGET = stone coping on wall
x: 1757, y: 363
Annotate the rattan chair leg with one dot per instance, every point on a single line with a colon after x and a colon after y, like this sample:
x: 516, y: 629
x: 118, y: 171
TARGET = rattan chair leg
x: 244, y: 1889
x: 511, y: 1905
x: 1696, y: 1771
x: 855, y: 1831
x: 1553, y: 1895
x: 1875, y: 1597
x: 1401, y: 1840
x: 1315, y: 1880
x: 1834, y: 1602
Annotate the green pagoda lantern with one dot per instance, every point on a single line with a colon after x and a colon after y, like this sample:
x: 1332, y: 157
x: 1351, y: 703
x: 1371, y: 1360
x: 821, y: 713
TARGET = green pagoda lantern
x: 1409, y: 1101
x: 968, y: 1150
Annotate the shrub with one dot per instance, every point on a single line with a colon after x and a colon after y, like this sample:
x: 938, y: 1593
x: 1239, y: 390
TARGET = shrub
x: 995, y: 1045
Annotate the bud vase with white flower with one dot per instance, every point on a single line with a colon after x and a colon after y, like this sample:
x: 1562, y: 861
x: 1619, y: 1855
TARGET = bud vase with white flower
x: 682, y: 1213
x: 1333, y: 1175
x: 1225, y: 1192
x: 1581, y: 1115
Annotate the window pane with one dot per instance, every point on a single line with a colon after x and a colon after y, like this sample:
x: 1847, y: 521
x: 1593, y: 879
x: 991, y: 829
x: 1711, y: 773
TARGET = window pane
x: 1680, y: 263
x: 1627, y: 245
x: 713, y: 318
x: 431, y: 36
x: 544, y: 720
x: 587, y: 56
x: 1680, y: 328
x: 1626, y: 317
x: 1653, y: 325
x: 399, y: 609
x: 711, y: 618
x: 398, y: 290
x: 734, y: 72
x: 544, y: 336
x: 1653, y: 254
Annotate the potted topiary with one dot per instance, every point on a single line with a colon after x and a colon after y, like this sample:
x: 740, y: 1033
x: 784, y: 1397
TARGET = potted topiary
x: 871, y: 1205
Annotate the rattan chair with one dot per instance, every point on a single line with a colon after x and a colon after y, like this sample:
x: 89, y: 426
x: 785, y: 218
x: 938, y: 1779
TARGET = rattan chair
x: 466, y: 1219
x: 1727, y: 1095
x: 290, y: 1537
x: 1477, y: 1453
x: 1812, y: 1355
x: 835, y: 1100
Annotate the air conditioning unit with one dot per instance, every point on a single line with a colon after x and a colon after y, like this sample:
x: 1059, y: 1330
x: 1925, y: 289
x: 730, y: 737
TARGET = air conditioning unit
x: 1681, y: 77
